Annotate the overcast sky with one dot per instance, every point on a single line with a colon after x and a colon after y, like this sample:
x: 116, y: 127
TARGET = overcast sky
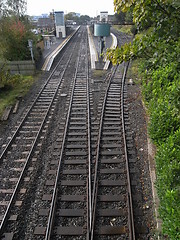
x: 84, y: 7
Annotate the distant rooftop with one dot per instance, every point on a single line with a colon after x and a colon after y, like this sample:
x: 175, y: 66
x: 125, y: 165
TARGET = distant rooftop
x: 45, y: 22
x: 44, y: 15
x: 59, y: 11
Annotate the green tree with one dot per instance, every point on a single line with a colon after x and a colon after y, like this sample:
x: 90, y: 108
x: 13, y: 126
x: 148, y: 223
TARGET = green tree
x: 157, y: 46
x: 2, y: 8
x: 72, y: 16
x: 15, y: 30
x: 119, y: 17
x: 83, y: 19
x: 14, y: 35
x: 129, y: 17
x: 162, y: 19
x: 13, y: 7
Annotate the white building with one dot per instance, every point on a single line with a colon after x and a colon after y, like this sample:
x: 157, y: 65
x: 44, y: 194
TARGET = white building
x: 60, y: 25
x: 103, y: 16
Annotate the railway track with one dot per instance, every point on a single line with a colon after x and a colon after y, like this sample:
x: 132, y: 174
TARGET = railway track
x: 82, y: 189
x: 68, y: 212
x: 112, y: 212
x: 20, y: 154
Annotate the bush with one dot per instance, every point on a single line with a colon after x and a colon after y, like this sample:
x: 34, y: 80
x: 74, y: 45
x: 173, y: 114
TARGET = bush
x: 5, y: 76
x: 168, y: 185
x: 163, y: 121
x: 161, y: 95
x: 161, y: 92
x: 157, y: 82
x: 133, y: 29
x: 7, y: 80
x: 14, y: 36
x: 158, y: 49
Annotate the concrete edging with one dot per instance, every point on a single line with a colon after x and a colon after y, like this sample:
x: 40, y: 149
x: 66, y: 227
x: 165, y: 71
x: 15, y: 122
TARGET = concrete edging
x: 152, y: 169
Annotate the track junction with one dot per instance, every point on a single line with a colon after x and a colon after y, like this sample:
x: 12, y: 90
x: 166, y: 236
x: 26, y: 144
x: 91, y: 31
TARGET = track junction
x: 75, y: 179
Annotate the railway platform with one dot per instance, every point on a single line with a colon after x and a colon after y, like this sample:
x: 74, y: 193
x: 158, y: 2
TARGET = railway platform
x: 50, y: 53
x: 48, y: 50
x: 111, y: 42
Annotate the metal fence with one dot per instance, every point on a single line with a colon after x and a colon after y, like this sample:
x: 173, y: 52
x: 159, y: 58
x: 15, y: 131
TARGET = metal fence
x: 20, y: 67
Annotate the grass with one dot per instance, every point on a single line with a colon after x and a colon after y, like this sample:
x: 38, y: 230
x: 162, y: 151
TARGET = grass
x: 123, y: 28
x: 98, y: 73
x: 133, y: 71
x: 10, y: 94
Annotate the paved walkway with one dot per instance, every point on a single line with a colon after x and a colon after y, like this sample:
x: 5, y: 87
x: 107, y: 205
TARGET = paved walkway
x: 93, y: 49
x: 47, y: 51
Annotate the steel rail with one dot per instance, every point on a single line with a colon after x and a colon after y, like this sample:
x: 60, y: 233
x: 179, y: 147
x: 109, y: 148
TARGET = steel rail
x: 131, y: 215
x: 6, y: 215
x: 89, y: 217
x: 55, y: 191
x: 25, y: 117
x: 95, y: 185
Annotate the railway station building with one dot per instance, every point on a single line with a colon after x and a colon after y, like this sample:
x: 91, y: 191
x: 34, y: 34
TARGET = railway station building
x: 60, y: 24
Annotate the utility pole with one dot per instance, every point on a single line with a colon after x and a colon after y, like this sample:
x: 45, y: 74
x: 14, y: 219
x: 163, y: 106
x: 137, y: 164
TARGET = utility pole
x: 30, y: 45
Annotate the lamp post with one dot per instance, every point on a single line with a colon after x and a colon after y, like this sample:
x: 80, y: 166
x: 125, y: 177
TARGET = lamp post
x: 30, y: 45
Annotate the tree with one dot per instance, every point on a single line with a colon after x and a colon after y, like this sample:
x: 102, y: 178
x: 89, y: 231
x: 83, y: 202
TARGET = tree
x: 129, y: 17
x: 162, y: 19
x: 15, y: 30
x: 71, y: 16
x: 13, y: 7
x: 119, y: 17
x: 157, y: 47
x: 83, y: 19
x: 14, y: 35
x: 2, y: 8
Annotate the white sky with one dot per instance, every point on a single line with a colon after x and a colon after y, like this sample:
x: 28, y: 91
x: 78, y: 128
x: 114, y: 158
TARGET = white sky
x: 85, y: 7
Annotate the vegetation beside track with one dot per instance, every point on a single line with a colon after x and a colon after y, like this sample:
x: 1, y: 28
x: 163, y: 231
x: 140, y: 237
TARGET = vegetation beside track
x: 124, y: 28
x: 157, y: 48
x: 13, y: 87
x: 15, y: 31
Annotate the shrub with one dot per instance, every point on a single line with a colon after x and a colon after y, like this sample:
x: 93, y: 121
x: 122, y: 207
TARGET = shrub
x: 161, y: 89
x: 163, y: 121
x: 4, y: 76
x: 168, y: 185
x: 6, y: 79
x: 157, y: 82
x: 14, y: 36
x: 133, y: 29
